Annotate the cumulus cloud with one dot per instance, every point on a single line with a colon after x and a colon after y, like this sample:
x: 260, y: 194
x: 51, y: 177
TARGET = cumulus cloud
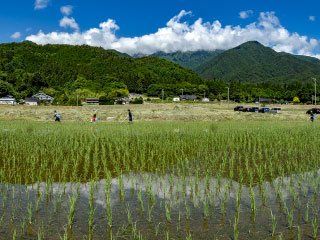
x: 41, y: 4
x: 245, y: 14
x: 182, y: 36
x: 69, y: 22
x: 16, y: 35
x: 312, y: 18
x: 66, y: 10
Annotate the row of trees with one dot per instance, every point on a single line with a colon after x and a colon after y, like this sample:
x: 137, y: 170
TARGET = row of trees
x: 239, y: 92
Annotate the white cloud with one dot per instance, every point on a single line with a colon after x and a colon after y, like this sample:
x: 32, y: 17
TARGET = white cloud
x: 182, y: 36
x: 312, y: 18
x: 69, y: 22
x: 245, y: 14
x: 66, y: 10
x: 41, y: 4
x: 16, y: 35
x: 28, y: 29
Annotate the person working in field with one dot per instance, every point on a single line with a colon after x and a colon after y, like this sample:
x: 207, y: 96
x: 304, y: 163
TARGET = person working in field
x: 94, y: 117
x: 130, y: 116
x: 56, y: 116
x: 312, y: 117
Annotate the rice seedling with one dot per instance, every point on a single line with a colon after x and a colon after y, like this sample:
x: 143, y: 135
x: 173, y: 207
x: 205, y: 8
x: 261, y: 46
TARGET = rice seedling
x: 72, y: 202
x: 306, y: 214
x: 298, y: 233
x: 315, y: 228
x: 204, y: 170
x: 274, y: 223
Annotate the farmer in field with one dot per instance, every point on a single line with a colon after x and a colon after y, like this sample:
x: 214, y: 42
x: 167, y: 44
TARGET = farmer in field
x: 312, y: 117
x: 56, y: 116
x: 130, y: 116
x: 94, y: 117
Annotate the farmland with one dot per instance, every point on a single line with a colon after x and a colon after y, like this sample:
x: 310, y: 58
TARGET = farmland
x: 153, y: 112
x: 164, y: 179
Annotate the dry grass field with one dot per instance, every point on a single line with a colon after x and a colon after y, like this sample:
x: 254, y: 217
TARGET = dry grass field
x: 152, y: 112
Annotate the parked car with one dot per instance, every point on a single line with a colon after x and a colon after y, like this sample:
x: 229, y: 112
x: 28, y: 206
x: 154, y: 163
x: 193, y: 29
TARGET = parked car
x: 314, y: 111
x: 254, y: 109
x: 264, y: 110
x: 246, y: 110
x: 238, y: 108
x: 275, y: 110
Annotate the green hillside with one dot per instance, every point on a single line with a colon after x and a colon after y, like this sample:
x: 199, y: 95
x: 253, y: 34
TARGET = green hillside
x: 252, y: 62
x: 26, y: 68
x: 190, y: 59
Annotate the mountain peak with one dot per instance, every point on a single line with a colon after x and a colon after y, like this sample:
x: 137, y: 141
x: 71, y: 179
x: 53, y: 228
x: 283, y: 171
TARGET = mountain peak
x: 252, y: 45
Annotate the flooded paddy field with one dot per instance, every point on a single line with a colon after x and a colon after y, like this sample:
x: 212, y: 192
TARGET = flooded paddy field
x: 233, y: 180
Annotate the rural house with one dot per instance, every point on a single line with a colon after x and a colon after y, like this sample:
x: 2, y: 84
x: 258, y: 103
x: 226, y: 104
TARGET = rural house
x: 188, y: 97
x: 30, y: 101
x: 43, y: 97
x: 91, y: 101
x: 8, y: 100
x: 205, y: 100
x: 123, y: 100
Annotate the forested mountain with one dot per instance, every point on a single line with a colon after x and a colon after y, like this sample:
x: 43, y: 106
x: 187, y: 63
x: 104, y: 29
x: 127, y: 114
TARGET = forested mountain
x: 26, y: 68
x: 68, y: 72
x: 252, y: 62
x: 190, y: 59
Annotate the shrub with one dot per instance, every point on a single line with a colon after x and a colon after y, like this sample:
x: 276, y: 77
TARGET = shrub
x: 104, y: 100
x: 138, y: 101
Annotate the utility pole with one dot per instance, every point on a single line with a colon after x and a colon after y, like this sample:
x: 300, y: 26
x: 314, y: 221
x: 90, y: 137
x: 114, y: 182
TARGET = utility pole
x: 77, y: 99
x: 204, y: 93
x: 315, y: 92
x: 162, y: 93
x: 228, y: 97
x: 182, y: 91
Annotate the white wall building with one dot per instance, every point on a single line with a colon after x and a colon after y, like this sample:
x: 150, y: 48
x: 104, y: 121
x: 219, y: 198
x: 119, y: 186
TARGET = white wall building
x: 8, y: 100
x: 176, y: 99
x: 205, y: 100
x: 31, y: 101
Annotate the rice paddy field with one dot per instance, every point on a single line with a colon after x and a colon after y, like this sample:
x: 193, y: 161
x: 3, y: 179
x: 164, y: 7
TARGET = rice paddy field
x: 160, y: 180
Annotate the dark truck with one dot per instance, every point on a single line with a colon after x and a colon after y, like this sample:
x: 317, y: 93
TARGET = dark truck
x: 264, y: 110
x: 254, y: 109
x: 238, y: 108
x: 314, y: 111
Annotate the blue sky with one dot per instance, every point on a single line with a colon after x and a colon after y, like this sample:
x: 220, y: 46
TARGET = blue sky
x: 133, y: 26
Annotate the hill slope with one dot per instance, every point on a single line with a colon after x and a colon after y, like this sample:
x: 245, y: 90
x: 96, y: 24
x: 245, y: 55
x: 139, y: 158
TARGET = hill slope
x: 28, y: 67
x: 252, y: 62
x: 190, y: 59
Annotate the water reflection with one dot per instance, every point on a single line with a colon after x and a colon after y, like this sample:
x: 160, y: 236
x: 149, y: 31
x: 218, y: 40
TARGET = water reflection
x: 203, y: 206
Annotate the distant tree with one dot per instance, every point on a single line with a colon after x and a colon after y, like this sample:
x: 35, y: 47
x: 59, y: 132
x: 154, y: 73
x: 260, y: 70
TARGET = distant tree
x: 296, y: 100
x: 5, y: 88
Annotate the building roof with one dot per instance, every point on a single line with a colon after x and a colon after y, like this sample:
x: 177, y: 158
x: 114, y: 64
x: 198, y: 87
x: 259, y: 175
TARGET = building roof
x: 264, y: 100
x: 7, y: 98
x: 42, y: 96
x: 92, y: 99
x: 188, y: 97
x: 30, y: 99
